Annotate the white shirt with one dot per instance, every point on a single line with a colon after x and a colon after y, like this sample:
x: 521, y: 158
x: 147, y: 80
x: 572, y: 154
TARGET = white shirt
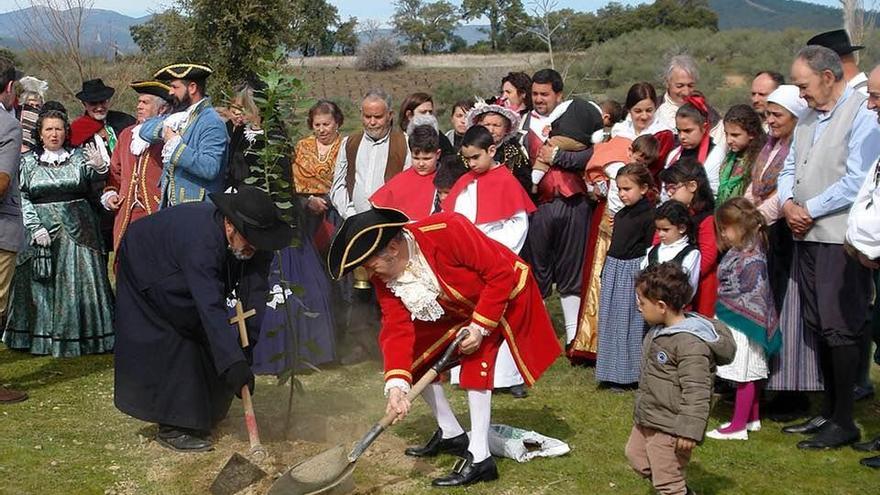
x: 626, y: 129
x: 690, y: 264
x: 863, y: 223
x: 511, y: 231
x: 859, y: 78
x: 614, y: 203
x: 372, y: 155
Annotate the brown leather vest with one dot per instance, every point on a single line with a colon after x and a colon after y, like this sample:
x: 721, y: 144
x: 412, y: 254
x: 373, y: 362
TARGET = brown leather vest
x: 393, y: 166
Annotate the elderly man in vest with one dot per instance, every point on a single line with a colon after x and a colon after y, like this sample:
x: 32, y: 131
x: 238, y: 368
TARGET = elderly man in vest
x: 367, y: 160
x: 834, y: 144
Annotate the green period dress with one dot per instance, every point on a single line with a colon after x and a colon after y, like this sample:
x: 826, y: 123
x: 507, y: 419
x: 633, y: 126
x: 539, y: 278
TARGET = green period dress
x: 70, y: 313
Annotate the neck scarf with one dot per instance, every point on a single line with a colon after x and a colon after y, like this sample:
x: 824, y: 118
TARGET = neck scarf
x: 764, y: 174
x: 732, y: 178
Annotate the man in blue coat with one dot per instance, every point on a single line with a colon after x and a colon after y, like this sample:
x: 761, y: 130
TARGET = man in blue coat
x: 178, y: 358
x: 194, y: 137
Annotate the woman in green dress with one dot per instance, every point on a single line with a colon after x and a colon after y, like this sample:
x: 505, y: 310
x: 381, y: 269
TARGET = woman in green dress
x: 61, y: 302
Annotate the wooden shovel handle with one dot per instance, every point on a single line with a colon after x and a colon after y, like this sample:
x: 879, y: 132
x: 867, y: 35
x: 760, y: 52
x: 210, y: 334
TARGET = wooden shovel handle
x: 361, y: 446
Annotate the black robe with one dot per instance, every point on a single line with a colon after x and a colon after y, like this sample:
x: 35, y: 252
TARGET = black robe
x: 173, y: 336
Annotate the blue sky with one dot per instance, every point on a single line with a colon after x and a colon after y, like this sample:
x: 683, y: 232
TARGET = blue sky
x: 359, y: 8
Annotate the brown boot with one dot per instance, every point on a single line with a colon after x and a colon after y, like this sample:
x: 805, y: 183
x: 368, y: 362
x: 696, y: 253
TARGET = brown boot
x: 8, y: 396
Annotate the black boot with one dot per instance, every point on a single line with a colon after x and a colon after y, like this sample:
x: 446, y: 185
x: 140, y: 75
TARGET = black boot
x: 183, y: 439
x: 871, y: 462
x: 468, y: 472
x: 439, y: 445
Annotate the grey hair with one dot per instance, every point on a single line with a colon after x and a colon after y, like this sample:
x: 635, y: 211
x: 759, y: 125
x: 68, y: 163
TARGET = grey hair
x: 422, y: 119
x: 682, y: 62
x: 378, y: 94
x: 161, y: 104
x: 819, y: 59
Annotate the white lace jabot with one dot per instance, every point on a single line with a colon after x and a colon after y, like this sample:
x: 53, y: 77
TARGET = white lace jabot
x: 417, y: 287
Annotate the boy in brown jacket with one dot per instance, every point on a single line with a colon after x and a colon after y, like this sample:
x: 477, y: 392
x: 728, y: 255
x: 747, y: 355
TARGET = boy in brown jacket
x: 679, y: 355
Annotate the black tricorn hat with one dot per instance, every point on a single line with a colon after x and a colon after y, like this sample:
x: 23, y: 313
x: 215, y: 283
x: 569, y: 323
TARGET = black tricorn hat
x: 361, y: 236
x: 837, y: 40
x: 255, y: 216
x: 190, y: 72
x: 94, y: 90
x: 155, y: 88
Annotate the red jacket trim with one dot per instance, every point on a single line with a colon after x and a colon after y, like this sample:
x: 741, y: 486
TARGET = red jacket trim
x: 398, y: 373
x: 523, y: 278
x: 445, y: 340
x: 514, y: 350
x: 431, y: 228
x: 482, y: 320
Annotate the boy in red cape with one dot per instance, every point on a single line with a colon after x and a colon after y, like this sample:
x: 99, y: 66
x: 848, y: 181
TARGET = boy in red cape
x: 412, y: 191
x: 493, y: 200
x: 489, y: 195
x: 433, y: 279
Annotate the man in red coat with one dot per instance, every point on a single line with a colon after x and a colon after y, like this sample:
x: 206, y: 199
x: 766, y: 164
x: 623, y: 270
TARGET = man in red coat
x: 132, y: 189
x: 435, y: 278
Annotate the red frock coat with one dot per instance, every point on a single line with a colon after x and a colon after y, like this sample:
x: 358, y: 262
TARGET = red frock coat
x: 482, y: 282
x: 136, y: 180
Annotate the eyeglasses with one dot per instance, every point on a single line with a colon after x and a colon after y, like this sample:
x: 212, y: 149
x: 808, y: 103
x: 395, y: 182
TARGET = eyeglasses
x: 671, y: 188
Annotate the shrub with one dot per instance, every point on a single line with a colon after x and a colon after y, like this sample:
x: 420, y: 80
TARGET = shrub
x: 378, y: 55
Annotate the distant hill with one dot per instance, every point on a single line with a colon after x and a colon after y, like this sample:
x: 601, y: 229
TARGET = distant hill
x: 105, y: 31
x: 776, y: 15
x: 101, y: 30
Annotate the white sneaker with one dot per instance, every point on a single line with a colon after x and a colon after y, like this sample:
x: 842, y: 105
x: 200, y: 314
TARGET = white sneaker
x: 736, y: 435
x: 750, y: 426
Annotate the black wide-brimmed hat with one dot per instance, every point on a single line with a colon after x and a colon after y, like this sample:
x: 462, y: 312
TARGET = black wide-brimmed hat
x: 94, y: 90
x: 255, y: 216
x: 155, y: 88
x: 190, y: 72
x: 837, y: 40
x: 361, y: 236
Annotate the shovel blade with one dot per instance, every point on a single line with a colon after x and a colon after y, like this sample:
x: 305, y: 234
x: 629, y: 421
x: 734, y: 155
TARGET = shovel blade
x: 328, y: 473
x: 236, y: 475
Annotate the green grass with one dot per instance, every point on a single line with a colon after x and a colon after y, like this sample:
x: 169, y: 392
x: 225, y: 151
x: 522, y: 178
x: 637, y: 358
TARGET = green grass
x: 69, y: 439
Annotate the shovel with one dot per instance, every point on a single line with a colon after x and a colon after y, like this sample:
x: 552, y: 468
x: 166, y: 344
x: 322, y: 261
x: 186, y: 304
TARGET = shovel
x: 238, y: 472
x: 330, y: 471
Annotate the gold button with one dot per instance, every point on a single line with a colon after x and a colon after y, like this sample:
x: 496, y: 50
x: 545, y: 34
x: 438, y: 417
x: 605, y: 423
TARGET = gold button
x: 483, y: 373
x: 484, y: 364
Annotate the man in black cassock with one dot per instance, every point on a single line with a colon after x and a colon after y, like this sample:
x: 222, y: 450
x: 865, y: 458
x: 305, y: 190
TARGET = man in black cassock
x: 178, y: 359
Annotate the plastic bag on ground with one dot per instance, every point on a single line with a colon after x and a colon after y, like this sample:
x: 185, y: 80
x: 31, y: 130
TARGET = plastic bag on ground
x: 523, y: 445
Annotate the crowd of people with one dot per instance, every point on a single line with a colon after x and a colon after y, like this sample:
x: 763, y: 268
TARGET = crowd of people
x: 682, y: 242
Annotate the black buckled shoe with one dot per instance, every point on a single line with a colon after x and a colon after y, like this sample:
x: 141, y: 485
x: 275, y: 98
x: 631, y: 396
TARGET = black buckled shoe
x: 183, y: 440
x: 467, y: 472
x: 808, y: 427
x: 831, y: 436
x: 871, y: 462
x: 439, y: 445
x: 869, y: 446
